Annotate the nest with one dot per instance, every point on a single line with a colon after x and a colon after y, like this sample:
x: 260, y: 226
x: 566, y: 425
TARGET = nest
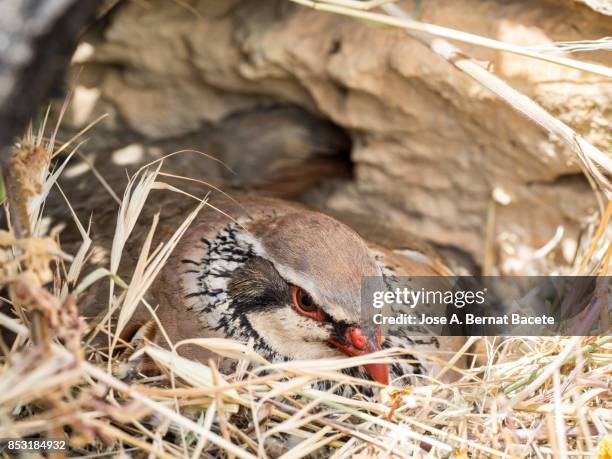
x: 528, y: 397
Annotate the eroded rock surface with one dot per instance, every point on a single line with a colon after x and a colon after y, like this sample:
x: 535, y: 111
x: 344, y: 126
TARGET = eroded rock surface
x: 429, y: 145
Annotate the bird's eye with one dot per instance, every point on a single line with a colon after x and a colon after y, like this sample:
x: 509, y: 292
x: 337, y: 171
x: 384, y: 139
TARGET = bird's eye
x: 305, y: 301
x: 304, y: 304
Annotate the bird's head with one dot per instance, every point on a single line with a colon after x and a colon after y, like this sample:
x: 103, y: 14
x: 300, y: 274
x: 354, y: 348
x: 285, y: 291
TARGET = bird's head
x: 292, y: 283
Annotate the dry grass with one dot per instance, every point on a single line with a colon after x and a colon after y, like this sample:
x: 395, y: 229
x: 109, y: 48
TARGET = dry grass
x: 526, y: 397
x: 531, y: 397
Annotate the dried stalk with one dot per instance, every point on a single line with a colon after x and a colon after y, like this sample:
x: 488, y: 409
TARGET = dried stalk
x: 400, y: 20
x: 586, y: 152
x: 591, y: 157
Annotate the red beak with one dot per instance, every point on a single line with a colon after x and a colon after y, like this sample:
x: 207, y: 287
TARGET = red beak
x: 357, y: 342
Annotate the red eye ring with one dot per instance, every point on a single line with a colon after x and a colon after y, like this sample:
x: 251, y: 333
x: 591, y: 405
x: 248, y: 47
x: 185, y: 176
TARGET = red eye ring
x: 304, y: 305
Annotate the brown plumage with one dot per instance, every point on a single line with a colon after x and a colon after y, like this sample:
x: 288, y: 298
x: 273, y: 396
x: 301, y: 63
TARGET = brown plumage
x: 234, y: 272
x: 251, y: 268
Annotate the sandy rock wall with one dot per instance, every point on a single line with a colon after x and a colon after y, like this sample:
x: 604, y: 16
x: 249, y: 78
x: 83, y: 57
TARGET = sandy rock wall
x: 430, y: 147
